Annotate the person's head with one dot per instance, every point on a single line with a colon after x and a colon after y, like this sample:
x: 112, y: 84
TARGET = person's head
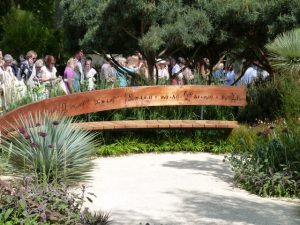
x: 229, y: 67
x: 49, y: 62
x: 31, y: 56
x: 206, y: 62
x: 182, y: 61
x: 38, y: 64
x: 168, y: 63
x: 88, y: 64
x: 71, y: 63
x: 221, y: 66
x: 79, y: 54
x: 161, y: 63
x: 21, y: 58
x: 121, y: 61
x: 108, y: 58
x: 139, y: 55
x: 172, y: 61
x: 14, y: 62
x: 8, y: 59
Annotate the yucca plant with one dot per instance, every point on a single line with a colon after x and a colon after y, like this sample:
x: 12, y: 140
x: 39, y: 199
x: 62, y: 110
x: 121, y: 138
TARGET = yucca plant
x: 284, y: 52
x: 50, y: 149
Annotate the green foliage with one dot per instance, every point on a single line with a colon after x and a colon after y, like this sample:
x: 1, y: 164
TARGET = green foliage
x: 23, y: 101
x: 166, y: 112
x: 29, y: 97
x: 284, y: 52
x: 165, y: 141
x: 271, y: 167
x: 291, y: 95
x: 50, y: 150
x: 264, y: 102
x: 184, y: 27
x: 270, y: 100
x: 152, y: 26
x: 243, y: 136
x: 44, y: 10
x: 31, y: 204
x: 22, y: 31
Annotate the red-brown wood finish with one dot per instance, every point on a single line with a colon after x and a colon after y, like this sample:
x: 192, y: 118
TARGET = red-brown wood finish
x: 118, y: 98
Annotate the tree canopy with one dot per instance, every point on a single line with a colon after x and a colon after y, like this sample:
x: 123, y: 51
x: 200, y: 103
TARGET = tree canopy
x: 160, y: 28
x: 206, y: 28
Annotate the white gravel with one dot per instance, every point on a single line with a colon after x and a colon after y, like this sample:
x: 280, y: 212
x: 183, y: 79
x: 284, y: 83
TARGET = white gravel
x: 181, y: 188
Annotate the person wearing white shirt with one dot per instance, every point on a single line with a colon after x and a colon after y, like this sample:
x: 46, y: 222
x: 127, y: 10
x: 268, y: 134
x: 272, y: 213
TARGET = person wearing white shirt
x: 48, y: 74
x: 249, y: 76
x: 162, y: 70
x: 49, y: 70
x: 177, y: 76
x: 78, y: 57
x: 90, y: 73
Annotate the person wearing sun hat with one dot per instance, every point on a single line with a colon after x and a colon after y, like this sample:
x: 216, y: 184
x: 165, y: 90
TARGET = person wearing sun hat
x: 162, y: 70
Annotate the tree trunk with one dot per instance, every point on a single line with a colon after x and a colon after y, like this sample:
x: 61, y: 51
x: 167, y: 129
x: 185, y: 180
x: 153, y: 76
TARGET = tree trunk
x: 150, y: 58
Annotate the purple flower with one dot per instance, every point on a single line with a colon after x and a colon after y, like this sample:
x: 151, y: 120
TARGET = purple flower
x: 42, y: 134
x: 34, y: 145
x: 50, y: 146
x: 55, y: 123
x: 22, y: 130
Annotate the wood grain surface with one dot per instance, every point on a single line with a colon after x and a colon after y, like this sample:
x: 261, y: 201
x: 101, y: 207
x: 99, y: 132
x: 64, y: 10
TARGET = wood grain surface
x: 118, y: 98
x: 157, y: 124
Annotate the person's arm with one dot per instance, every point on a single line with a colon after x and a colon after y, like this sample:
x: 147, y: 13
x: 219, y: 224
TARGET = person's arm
x: 218, y: 63
x: 43, y: 76
x: 69, y: 75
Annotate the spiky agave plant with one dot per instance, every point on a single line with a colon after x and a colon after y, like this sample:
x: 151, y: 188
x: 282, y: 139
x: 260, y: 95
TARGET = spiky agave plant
x: 50, y: 149
x: 284, y: 52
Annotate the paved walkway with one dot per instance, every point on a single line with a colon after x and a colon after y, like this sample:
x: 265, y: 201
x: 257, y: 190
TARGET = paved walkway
x: 181, y: 188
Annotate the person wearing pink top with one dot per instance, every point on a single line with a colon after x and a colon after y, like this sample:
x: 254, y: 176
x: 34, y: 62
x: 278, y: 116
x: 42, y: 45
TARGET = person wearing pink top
x: 69, y: 75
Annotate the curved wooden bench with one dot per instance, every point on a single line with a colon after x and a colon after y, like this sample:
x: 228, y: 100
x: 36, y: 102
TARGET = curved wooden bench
x: 145, y: 96
x: 158, y: 124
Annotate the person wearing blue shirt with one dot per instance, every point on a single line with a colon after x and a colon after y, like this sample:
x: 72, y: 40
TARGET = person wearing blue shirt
x: 249, y: 76
x: 218, y: 75
x: 229, y: 75
x: 122, y: 72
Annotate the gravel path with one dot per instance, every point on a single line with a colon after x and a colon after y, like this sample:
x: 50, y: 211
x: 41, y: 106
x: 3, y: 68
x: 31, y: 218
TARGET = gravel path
x: 181, y: 188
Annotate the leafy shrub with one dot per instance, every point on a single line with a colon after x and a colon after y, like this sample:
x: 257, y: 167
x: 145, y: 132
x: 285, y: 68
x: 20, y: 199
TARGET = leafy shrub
x: 50, y: 149
x: 31, y: 204
x: 22, y: 31
x: 264, y: 101
x: 284, y: 52
x: 243, y: 137
x: 291, y: 95
x: 272, y: 167
x: 164, y: 141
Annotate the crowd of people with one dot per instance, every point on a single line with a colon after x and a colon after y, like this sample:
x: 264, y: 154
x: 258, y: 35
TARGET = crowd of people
x: 38, y: 76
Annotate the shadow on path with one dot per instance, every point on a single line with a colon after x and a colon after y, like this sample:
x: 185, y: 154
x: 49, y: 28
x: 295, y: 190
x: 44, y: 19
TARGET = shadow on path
x: 214, y: 167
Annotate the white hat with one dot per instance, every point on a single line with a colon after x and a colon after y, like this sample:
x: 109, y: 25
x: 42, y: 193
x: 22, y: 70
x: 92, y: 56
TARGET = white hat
x: 160, y: 61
